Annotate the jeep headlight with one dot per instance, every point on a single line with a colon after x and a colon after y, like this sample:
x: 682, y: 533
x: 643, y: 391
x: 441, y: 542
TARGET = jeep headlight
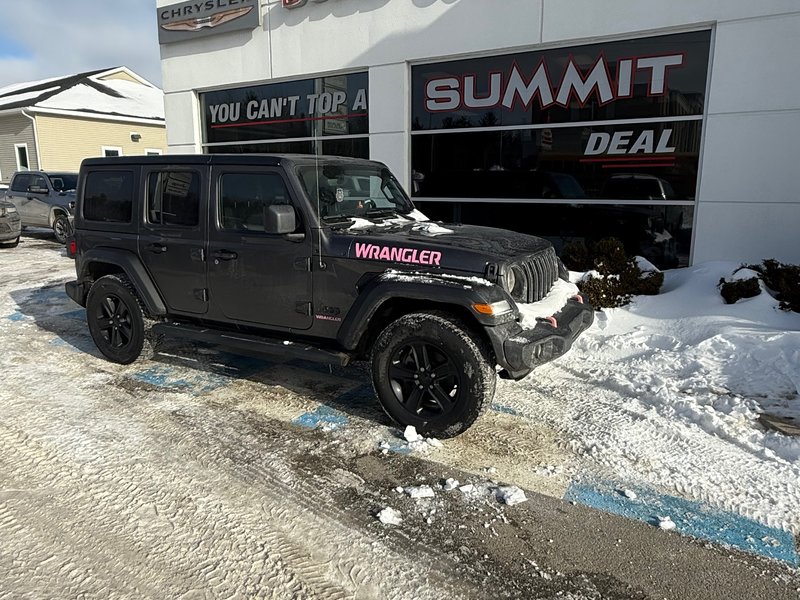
x: 508, y: 280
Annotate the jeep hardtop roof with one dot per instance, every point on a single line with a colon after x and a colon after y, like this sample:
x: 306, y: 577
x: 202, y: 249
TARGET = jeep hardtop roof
x: 267, y: 160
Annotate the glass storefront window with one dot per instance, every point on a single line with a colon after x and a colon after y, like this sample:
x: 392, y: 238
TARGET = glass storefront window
x: 660, y: 233
x: 655, y: 161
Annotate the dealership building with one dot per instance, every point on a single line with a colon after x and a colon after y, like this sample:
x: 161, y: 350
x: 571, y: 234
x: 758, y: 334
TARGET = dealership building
x: 673, y: 126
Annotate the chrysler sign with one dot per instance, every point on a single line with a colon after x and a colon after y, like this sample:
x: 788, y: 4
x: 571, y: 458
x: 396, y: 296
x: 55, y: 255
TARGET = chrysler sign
x: 200, y: 18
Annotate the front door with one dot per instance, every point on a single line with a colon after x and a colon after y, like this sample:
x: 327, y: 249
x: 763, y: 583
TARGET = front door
x: 256, y: 277
x: 31, y: 206
x: 171, y: 240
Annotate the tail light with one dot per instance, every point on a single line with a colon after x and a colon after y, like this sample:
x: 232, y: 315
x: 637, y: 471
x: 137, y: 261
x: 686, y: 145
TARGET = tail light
x: 72, y: 247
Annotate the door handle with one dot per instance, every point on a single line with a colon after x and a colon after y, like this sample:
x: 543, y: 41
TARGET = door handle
x: 224, y: 255
x: 157, y: 248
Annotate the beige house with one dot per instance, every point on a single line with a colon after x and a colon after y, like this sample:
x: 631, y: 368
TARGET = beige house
x: 55, y: 123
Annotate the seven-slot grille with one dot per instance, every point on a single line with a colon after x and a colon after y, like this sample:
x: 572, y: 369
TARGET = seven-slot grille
x: 539, y: 273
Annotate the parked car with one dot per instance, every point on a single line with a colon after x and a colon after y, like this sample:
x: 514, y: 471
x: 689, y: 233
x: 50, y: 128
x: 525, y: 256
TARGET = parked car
x: 637, y: 186
x: 316, y: 258
x: 9, y: 223
x: 45, y: 199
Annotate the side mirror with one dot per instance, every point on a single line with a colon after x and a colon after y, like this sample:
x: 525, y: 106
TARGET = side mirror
x: 280, y: 219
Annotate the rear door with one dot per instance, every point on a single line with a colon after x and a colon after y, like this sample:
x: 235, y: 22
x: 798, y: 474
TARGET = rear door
x: 171, y: 240
x: 256, y: 277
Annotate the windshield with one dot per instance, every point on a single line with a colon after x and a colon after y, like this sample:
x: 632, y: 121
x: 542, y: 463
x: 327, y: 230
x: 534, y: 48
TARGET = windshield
x: 353, y: 191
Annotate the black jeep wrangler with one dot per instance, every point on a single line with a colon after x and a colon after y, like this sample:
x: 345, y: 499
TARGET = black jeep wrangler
x: 323, y: 258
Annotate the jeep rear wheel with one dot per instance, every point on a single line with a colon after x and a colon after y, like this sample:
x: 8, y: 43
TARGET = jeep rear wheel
x: 431, y: 372
x: 116, y: 319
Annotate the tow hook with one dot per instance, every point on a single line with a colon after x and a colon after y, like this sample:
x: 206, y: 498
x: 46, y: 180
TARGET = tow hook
x: 551, y: 320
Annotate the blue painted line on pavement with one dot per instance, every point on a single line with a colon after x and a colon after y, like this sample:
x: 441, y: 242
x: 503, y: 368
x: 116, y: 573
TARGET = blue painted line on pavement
x: 322, y: 416
x: 78, y: 315
x: 502, y: 408
x: 690, y: 517
x: 17, y: 316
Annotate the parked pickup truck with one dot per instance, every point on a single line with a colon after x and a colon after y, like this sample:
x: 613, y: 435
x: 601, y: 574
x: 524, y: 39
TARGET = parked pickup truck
x: 319, y: 258
x: 44, y: 199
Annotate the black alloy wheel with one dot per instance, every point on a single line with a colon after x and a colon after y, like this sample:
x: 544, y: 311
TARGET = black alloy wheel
x: 425, y: 379
x: 432, y: 371
x: 62, y: 228
x: 116, y: 319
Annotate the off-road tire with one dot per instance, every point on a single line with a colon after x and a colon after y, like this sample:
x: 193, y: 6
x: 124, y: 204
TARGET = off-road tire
x: 62, y: 228
x: 112, y: 303
x: 399, y: 355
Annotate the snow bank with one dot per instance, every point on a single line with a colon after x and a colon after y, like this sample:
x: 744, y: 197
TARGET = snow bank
x: 667, y: 391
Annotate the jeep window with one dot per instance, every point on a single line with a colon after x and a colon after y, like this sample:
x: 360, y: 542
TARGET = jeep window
x: 108, y: 196
x: 245, y: 196
x: 342, y: 190
x: 173, y: 198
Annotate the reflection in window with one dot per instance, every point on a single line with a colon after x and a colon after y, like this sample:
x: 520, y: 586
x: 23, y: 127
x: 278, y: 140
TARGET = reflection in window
x: 559, y: 163
x: 245, y: 198
x: 173, y: 198
x: 661, y: 233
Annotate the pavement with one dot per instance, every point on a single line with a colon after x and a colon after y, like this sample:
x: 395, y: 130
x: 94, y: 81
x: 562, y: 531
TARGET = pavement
x: 201, y: 474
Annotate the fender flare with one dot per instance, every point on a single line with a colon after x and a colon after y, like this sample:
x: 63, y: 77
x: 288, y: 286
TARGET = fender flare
x: 425, y: 287
x: 54, y: 211
x: 133, y: 268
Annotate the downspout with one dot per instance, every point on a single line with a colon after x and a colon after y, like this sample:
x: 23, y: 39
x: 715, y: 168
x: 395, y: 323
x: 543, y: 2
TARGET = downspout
x: 39, y: 165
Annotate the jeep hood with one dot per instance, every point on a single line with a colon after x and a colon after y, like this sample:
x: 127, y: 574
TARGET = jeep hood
x: 467, y: 248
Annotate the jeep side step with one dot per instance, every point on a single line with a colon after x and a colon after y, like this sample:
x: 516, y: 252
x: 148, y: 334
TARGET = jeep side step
x: 252, y: 345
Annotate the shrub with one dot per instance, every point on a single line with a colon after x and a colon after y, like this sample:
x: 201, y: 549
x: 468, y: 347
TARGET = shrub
x: 782, y: 279
x: 620, y: 277
x: 733, y: 291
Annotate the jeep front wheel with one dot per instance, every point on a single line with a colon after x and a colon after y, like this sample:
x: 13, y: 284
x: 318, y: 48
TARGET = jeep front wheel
x: 431, y: 372
x: 116, y: 319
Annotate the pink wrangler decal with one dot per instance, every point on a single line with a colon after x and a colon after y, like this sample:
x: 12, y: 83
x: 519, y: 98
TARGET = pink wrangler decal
x: 413, y: 256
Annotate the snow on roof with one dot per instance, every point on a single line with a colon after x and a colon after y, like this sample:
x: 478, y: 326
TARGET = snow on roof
x: 87, y: 93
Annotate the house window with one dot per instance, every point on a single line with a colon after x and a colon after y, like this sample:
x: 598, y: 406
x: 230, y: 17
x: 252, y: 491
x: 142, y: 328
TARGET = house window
x: 112, y: 151
x: 22, y: 157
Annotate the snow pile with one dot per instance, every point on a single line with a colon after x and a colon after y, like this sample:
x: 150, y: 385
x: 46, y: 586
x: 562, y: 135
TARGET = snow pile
x: 510, y: 495
x: 667, y: 392
x: 418, y: 492
x: 555, y: 300
x: 389, y: 516
x: 419, y: 443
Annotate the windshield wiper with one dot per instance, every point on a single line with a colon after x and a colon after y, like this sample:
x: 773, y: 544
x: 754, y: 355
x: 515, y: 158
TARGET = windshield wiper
x: 381, y: 212
x: 337, y: 220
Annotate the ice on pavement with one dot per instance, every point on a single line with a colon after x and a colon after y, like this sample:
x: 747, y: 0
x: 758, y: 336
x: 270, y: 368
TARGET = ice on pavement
x: 666, y: 523
x: 410, y: 434
x: 450, y: 484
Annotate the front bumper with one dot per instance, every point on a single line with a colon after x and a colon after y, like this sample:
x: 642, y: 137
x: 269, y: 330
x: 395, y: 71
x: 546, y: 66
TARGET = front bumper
x: 519, y: 350
x: 9, y: 228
